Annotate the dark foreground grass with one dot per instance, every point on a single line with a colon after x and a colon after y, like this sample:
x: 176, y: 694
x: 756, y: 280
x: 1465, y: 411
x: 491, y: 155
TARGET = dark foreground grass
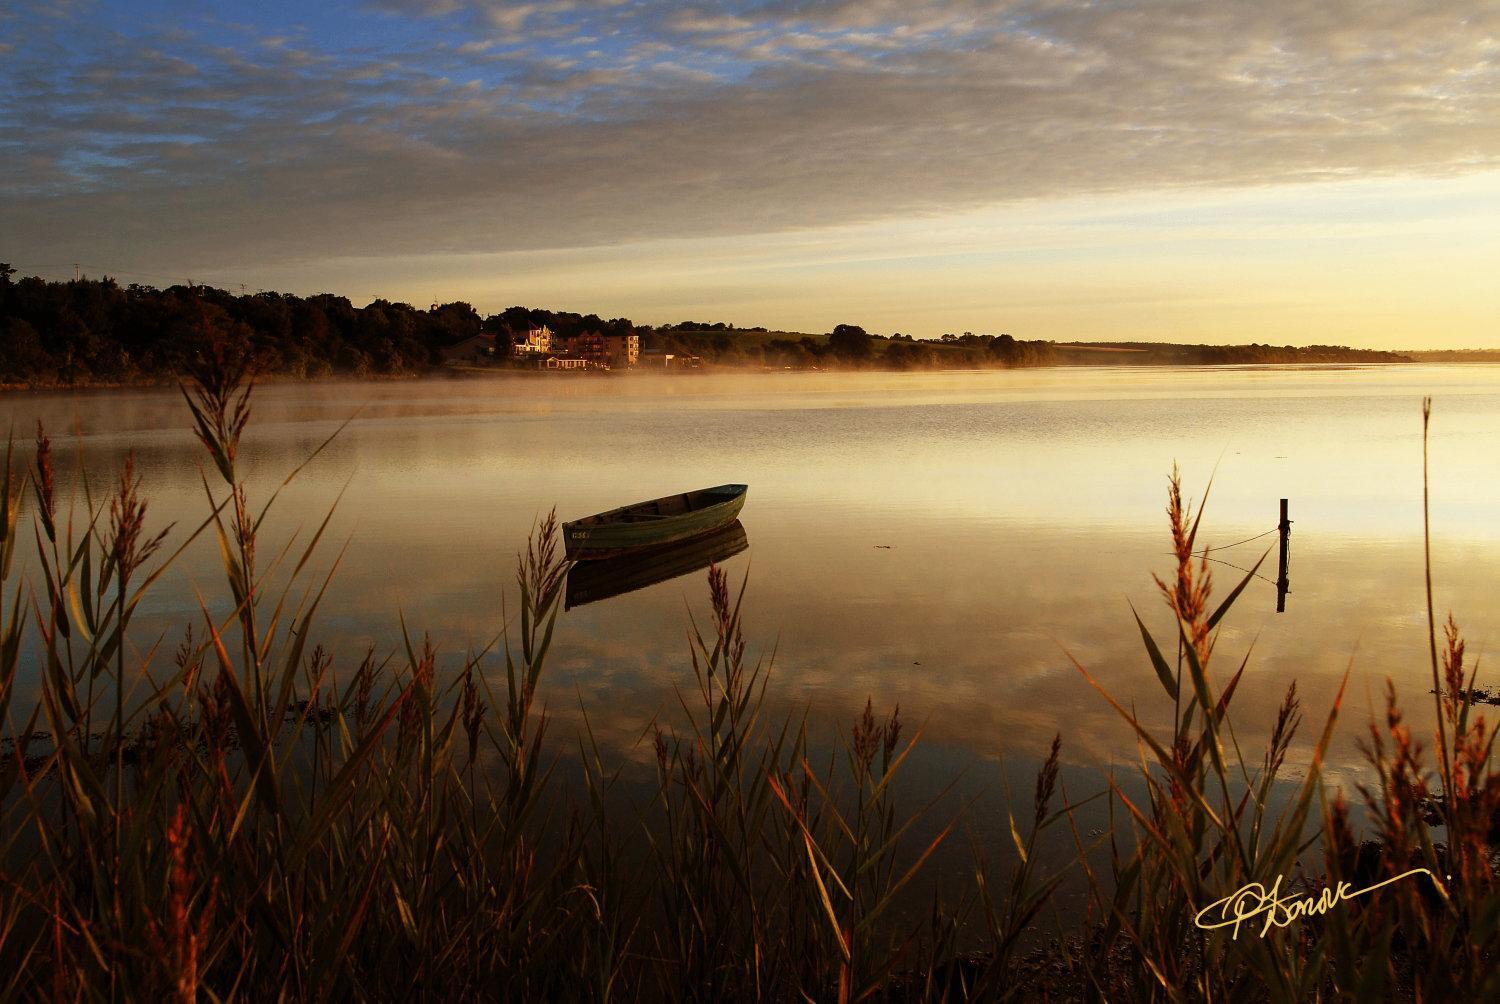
x: 267, y: 820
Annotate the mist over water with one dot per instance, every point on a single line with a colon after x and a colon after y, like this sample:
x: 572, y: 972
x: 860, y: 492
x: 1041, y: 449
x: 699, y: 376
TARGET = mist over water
x: 945, y: 541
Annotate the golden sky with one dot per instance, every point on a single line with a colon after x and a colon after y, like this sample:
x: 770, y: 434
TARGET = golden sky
x: 1400, y: 263
x: 1277, y: 171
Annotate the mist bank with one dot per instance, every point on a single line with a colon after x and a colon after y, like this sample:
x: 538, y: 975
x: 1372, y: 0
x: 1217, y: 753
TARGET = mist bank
x: 95, y: 332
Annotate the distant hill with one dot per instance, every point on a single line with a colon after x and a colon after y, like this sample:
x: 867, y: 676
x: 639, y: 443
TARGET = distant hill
x: 1173, y: 354
x: 731, y: 342
x: 96, y: 331
x: 1454, y: 355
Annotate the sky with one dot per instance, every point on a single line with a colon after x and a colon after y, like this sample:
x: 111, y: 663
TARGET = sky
x: 1276, y: 171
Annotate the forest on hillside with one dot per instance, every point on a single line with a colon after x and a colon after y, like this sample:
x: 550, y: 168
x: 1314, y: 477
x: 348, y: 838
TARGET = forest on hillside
x: 84, y: 331
x: 89, y: 330
x: 98, y: 331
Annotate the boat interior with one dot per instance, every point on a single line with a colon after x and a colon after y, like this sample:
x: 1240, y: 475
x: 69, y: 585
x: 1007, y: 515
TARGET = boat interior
x: 665, y: 507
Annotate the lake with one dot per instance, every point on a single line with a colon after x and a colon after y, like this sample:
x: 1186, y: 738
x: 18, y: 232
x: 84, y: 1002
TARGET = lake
x: 948, y: 541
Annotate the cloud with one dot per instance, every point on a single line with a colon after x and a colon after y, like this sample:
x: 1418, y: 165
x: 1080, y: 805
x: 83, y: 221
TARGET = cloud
x: 597, y: 123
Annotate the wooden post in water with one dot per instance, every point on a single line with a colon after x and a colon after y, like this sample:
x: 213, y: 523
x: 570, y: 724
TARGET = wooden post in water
x: 1282, y: 585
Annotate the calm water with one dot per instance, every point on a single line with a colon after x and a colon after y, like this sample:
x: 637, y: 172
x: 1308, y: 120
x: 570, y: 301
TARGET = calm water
x: 937, y: 540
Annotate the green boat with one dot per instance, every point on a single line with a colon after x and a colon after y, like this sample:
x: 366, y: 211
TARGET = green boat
x: 591, y: 581
x: 645, y: 525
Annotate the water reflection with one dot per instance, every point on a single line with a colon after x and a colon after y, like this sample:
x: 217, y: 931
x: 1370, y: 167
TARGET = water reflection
x: 1021, y: 516
x: 592, y: 581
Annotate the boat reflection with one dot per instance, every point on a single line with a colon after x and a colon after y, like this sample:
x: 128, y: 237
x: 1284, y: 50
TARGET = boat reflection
x: 591, y: 581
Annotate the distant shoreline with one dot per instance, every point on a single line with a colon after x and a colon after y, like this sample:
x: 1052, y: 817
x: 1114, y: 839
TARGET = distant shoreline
x: 95, y: 334
x: 707, y: 372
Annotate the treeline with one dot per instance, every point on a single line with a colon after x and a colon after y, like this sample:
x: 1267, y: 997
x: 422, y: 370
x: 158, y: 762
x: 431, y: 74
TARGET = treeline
x: 848, y: 346
x: 905, y: 352
x: 95, y: 330
x: 1166, y: 354
x: 88, y: 330
x: 703, y: 326
x: 1455, y: 355
x: 519, y: 320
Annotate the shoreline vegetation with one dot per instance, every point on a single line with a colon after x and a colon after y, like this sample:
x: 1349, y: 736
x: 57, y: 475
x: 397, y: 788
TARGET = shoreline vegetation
x: 96, y: 333
x: 255, y: 817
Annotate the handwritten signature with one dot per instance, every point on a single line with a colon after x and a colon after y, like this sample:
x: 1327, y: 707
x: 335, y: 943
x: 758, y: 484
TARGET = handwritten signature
x: 1255, y: 900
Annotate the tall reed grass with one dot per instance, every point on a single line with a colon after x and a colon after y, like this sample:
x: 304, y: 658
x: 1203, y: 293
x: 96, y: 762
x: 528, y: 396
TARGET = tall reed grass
x: 264, y: 819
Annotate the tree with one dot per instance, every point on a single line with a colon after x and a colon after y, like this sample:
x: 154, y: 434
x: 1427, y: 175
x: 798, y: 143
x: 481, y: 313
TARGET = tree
x: 850, y: 342
x: 1010, y: 352
x: 903, y: 354
x: 22, y: 356
x: 785, y: 352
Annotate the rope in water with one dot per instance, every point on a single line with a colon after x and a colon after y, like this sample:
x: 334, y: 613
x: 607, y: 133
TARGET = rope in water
x: 1221, y: 561
x: 1224, y: 547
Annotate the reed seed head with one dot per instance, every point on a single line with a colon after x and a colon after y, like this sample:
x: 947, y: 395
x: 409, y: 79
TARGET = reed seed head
x: 867, y: 738
x: 1192, y: 584
x: 1046, y: 780
x: 1453, y: 670
x: 473, y: 710
x: 364, y: 685
x: 45, y: 477
x: 127, y: 521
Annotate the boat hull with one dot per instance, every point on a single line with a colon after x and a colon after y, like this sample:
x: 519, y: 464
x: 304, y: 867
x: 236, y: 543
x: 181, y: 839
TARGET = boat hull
x: 606, y: 535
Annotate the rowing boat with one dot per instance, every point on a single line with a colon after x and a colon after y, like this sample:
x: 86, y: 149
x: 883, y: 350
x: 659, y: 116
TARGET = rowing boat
x: 645, y: 525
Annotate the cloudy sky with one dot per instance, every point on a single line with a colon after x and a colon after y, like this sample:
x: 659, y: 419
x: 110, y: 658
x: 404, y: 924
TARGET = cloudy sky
x: 1277, y: 170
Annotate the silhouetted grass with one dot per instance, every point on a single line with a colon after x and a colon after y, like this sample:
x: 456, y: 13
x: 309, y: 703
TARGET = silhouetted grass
x: 248, y: 825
